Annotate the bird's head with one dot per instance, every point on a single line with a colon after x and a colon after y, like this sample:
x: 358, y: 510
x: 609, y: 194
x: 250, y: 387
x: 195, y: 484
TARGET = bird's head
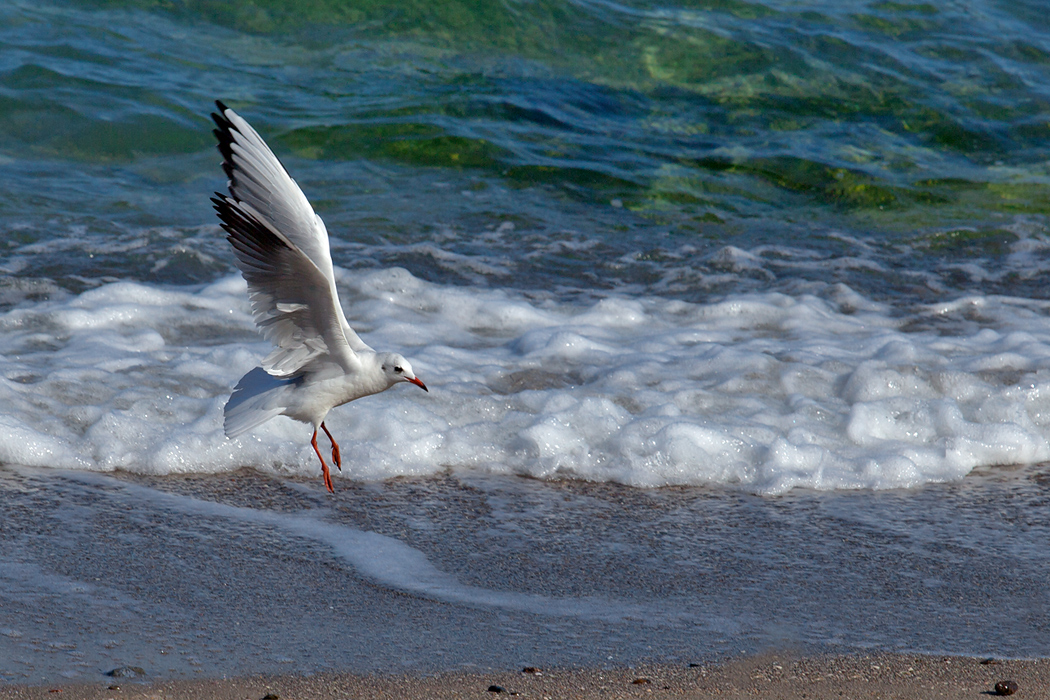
x: 397, y: 369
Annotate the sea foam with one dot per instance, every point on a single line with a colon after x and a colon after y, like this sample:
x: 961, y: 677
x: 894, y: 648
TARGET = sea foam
x: 763, y: 391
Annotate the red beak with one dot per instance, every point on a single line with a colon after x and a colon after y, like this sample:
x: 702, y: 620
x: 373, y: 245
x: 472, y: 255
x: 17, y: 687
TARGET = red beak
x: 419, y: 383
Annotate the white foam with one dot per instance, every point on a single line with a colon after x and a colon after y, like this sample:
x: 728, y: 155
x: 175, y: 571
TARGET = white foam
x: 764, y: 391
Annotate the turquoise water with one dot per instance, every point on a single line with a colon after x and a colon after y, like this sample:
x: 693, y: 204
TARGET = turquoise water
x: 645, y: 136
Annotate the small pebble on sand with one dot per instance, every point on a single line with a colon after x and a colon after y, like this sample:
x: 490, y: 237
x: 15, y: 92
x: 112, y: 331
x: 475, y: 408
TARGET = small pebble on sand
x: 126, y: 672
x: 1005, y: 688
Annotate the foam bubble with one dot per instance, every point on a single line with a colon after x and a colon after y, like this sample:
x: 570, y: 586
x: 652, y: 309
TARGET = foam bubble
x: 766, y: 392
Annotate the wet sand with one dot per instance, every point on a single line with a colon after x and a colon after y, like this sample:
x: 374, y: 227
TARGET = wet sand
x: 245, y: 574
x: 383, y: 590
x: 902, y: 677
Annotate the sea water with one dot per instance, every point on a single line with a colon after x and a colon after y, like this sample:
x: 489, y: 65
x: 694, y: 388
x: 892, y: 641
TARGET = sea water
x: 764, y: 391
x: 766, y: 248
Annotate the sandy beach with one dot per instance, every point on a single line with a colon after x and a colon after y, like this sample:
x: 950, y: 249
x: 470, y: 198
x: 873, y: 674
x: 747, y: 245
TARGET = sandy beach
x: 898, y: 676
x: 250, y: 576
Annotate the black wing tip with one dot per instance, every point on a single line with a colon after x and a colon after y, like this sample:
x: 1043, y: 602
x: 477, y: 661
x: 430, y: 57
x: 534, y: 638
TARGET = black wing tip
x: 224, y: 135
x: 244, y: 229
x: 220, y: 118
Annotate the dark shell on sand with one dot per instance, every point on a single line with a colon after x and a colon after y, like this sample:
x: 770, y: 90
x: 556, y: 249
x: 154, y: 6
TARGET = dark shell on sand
x: 1005, y: 688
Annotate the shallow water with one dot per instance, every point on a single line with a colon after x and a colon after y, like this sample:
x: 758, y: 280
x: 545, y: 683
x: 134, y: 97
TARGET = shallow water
x: 247, y: 573
x: 757, y: 263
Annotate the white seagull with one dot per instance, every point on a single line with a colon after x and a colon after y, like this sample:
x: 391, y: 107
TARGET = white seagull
x: 318, y: 361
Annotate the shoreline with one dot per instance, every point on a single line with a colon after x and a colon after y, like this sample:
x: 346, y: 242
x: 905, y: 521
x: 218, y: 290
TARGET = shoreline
x: 246, y: 575
x: 770, y: 675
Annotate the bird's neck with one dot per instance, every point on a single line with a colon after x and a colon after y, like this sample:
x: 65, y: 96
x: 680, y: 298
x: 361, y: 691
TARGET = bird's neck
x: 373, y: 374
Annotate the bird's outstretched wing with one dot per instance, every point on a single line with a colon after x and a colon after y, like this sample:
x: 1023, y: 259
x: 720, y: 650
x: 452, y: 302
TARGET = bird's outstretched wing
x: 282, y: 250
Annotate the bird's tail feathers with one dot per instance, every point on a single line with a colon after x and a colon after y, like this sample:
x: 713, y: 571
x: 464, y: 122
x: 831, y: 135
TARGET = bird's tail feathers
x: 257, y: 398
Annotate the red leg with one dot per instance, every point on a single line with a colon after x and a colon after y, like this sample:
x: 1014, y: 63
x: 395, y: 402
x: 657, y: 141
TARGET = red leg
x: 335, y: 448
x: 324, y: 467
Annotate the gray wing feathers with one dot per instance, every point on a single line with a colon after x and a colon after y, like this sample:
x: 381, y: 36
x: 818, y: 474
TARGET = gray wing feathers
x: 257, y: 398
x: 290, y: 297
x: 259, y: 179
x: 282, y: 250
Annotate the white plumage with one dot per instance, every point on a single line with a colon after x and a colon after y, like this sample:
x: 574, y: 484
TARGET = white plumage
x: 318, y: 361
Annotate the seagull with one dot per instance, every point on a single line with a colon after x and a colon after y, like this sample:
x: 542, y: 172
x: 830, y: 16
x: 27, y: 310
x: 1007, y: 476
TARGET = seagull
x: 318, y: 361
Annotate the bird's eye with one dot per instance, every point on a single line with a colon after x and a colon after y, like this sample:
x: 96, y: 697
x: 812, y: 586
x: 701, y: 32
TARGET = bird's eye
x: 398, y: 370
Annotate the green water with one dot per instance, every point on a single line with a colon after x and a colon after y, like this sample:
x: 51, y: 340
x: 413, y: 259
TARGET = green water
x: 919, y: 128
